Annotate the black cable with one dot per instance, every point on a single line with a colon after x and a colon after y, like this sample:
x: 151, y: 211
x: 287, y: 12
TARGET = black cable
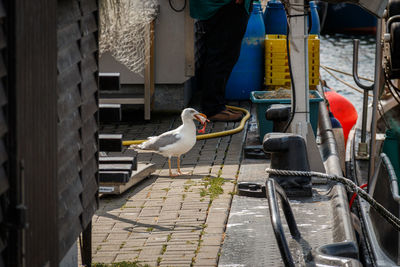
x: 391, y: 83
x: 175, y: 9
x: 291, y: 75
x: 380, y: 110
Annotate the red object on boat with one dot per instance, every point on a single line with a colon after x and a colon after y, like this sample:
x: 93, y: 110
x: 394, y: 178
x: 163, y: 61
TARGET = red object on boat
x: 343, y: 110
x: 355, y: 195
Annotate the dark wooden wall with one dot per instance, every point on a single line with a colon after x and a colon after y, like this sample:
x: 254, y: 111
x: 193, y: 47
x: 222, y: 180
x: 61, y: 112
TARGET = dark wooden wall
x: 4, y: 185
x: 48, y: 127
x: 77, y: 67
x: 32, y: 81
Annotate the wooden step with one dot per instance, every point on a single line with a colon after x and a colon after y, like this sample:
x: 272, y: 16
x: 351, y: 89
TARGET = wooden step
x: 119, y: 160
x: 110, y: 113
x: 109, y: 81
x: 110, y: 142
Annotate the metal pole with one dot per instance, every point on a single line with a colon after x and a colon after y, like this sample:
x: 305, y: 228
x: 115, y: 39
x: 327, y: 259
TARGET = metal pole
x: 299, y: 63
x: 377, y: 87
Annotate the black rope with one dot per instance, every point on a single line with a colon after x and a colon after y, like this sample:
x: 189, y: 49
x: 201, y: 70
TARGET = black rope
x: 298, y: 15
x: 291, y: 75
x: 175, y: 9
x: 350, y: 185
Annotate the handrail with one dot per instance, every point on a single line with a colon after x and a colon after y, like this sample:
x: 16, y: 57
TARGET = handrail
x: 356, y: 44
x: 392, y: 176
x: 272, y: 188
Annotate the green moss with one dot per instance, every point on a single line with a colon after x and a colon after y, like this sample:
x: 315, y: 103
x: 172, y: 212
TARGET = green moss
x: 215, y: 188
x: 149, y: 229
x: 164, y: 248
x: 203, y: 192
x: 120, y: 264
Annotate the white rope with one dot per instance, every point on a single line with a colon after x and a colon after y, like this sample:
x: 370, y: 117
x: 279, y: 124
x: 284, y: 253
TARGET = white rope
x: 343, y: 81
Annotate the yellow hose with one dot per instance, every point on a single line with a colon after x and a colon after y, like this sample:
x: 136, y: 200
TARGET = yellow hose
x: 210, y: 135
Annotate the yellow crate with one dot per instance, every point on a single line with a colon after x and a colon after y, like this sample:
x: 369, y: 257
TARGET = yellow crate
x: 280, y: 82
x: 276, y: 55
x: 275, y: 43
x: 277, y: 68
x: 276, y: 62
x: 278, y: 75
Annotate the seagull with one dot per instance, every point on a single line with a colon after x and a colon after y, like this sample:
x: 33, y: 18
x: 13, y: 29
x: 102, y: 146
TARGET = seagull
x: 176, y: 142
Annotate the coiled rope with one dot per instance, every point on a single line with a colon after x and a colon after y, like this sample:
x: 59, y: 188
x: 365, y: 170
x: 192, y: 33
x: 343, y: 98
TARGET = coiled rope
x: 350, y: 185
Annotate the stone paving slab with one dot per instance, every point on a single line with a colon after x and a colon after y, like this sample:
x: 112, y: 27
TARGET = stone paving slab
x: 166, y: 221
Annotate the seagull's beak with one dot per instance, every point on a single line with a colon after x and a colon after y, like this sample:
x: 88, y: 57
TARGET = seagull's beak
x: 201, y: 118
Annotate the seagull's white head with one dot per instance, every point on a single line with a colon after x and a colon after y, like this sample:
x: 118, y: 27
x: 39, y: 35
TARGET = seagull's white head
x: 191, y: 113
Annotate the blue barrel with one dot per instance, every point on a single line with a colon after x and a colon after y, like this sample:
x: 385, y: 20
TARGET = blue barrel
x: 315, y: 26
x: 248, y: 73
x: 275, y: 18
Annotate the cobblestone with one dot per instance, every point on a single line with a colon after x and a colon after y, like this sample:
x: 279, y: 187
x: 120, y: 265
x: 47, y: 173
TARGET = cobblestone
x: 166, y: 221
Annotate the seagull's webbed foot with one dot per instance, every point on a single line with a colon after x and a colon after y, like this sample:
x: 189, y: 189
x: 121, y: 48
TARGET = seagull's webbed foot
x: 171, y: 174
x: 184, y: 173
x: 179, y: 168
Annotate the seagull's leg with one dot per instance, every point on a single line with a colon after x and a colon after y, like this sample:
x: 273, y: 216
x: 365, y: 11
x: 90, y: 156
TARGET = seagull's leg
x: 170, y: 171
x: 179, y: 165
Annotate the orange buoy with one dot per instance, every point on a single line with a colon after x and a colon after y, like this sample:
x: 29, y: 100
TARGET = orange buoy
x: 342, y: 109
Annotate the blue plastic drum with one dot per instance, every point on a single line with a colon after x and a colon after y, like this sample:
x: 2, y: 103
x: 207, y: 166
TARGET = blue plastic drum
x: 248, y: 73
x: 275, y: 18
x: 275, y: 21
x: 315, y: 26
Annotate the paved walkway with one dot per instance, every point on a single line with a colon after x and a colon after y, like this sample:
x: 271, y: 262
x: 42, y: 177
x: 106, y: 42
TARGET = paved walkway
x: 167, y: 221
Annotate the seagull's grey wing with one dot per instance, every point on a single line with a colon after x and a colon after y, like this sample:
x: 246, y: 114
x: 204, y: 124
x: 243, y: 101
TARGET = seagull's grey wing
x: 161, y: 141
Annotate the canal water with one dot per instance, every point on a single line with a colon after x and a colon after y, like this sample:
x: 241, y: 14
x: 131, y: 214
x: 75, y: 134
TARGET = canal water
x: 337, y: 52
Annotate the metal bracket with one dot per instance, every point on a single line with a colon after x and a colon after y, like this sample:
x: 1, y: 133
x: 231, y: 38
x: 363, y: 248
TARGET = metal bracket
x: 255, y: 152
x: 362, y: 152
x: 252, y: 189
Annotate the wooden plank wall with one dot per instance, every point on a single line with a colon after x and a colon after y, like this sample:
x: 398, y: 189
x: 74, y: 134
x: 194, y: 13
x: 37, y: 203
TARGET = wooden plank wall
x: 77, y: 88
x: 4, y: 185
x: 33, y: 78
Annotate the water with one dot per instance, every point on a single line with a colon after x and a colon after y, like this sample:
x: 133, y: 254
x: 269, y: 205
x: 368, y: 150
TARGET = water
x: 337, y: 52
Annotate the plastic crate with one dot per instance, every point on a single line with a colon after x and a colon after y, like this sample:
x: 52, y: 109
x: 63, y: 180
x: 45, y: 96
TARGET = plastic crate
x: 265, y: 126
x: 275, y: 68
x: 276, y: 60
x: 277, y: 83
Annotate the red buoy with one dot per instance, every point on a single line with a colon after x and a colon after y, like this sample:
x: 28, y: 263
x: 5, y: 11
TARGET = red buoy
x: 343, y: 110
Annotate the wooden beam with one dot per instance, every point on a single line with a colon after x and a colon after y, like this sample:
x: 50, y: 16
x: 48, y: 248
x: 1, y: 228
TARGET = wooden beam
x: 189, y: 44
x: 149, y: 72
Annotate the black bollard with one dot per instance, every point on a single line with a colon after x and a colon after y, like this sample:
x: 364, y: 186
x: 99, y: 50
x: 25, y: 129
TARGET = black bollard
x: 279, y: 114
x: 289, y: 152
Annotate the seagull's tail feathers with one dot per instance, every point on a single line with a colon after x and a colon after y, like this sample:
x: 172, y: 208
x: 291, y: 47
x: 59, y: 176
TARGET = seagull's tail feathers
x: 145, y: 145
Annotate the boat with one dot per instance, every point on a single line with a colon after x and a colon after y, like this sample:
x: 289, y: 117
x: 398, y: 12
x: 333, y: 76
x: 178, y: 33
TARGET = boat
x: 372, y: 157
x: 329, y: 214
x: 345, y: 18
